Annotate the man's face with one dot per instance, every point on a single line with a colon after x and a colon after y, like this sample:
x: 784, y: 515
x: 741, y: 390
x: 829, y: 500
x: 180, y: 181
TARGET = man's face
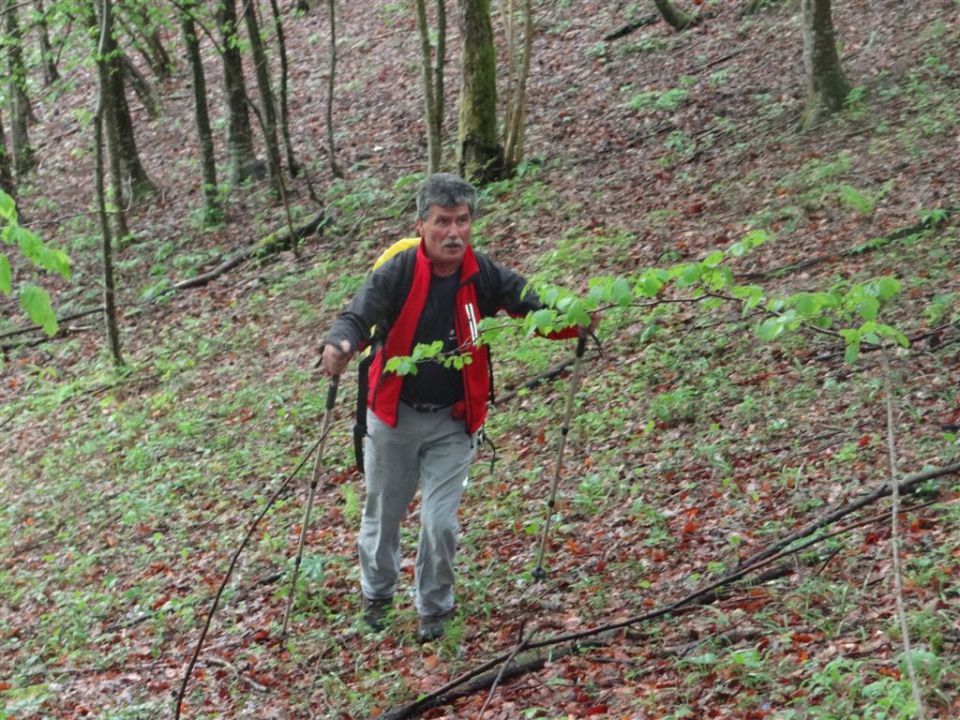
x: 446, y: 233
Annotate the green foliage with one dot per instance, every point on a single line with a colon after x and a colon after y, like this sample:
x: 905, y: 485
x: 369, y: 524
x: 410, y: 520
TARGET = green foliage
x: 658, y: 100
x: 33, y: 299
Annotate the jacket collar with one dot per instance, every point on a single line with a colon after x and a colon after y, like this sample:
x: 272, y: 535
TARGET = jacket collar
x: 468, y: 267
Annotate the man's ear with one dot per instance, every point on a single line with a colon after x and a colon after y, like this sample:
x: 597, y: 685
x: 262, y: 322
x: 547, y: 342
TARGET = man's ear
x: 419, y: 227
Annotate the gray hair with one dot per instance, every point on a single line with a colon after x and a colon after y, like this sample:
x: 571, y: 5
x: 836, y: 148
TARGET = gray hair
x: 445, y: 190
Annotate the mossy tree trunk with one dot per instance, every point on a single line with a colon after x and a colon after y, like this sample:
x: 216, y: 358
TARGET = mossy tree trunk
x: 135, y: 175
x: 518, y: 61
x: 243, y: 162
x: 201, y: 113
x: 6, y: 173
x: 268, y: 113
x: 432, y: 76
x: 47, y: 56
x: 481, y: 156
x: 22, y: 150
x: 827, y: 86
x: 105, y: 122
x: 677, y: 19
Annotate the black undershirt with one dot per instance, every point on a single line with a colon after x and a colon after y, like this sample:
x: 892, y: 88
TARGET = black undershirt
x: 433, y: 383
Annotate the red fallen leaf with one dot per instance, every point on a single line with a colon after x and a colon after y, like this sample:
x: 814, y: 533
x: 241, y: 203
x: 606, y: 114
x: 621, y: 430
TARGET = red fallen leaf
x: 889, y: 672
x: 798, y: 638
x: 864, y: 441
x: 597, y: 710
x: 658, y: 555
x: 691, y: 527
x: 574, y: 548
x: 5, y: 686
x: 261, y: 635
x: 802, y: 656
x: 160, y: 602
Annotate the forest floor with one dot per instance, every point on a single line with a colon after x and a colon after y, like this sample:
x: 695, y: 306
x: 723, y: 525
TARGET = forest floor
x: 695, y: 444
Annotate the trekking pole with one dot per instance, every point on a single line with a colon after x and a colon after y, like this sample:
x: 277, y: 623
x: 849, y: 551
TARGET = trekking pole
x: 327, y: 420
x: 538, y: 572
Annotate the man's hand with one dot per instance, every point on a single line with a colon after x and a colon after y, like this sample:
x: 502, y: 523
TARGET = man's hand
x: 334, y: 359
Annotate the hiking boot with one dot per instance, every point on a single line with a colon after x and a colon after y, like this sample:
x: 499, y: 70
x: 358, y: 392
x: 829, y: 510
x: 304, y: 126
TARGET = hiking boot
x: 432, y: 627
x: 375, y: 612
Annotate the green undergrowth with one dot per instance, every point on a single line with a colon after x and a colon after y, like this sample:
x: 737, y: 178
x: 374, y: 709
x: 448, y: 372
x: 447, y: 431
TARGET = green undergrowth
x: 692, y: 444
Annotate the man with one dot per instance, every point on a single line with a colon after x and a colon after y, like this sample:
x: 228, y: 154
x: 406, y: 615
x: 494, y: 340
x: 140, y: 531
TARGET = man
x: 423, y: 428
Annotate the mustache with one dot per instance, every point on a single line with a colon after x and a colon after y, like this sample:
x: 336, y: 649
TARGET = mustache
x: 453, y: 243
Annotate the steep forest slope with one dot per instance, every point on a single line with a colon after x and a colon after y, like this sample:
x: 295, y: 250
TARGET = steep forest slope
x: 708, y: 429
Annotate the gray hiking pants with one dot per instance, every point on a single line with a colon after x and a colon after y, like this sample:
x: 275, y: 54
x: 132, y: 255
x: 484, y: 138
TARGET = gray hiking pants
x: 432, y: 449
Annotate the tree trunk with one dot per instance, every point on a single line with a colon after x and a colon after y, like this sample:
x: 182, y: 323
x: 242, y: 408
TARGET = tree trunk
x: 6, y: 173
x: 268, y: 113
x: 516, y: 114
x: 331, y: 84
x: 140, y: 86
x: 432, y: 76
x: 292, y: 165
x: 481, y: 157
x: 146, y: 40
x: 134, y: 175
x: 22, y: 151
x: 48, y: 60
x: 201, y: 115
x: 243, y: 162
x: 676, y: 19
x: 105, y: 118
x: 827, y: 86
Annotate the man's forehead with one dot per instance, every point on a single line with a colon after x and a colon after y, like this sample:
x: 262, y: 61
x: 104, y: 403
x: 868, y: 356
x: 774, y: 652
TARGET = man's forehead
x: 436, y: 210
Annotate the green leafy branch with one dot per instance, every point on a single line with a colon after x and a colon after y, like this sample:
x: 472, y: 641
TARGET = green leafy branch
x: 848, y: 314
x: 33, y: 298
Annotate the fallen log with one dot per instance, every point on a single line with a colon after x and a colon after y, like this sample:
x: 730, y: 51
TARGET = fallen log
x: 272, y: 243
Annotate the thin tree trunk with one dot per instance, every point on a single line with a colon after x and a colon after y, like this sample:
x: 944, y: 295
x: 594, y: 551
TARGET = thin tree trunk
x: 22, y: 151
x: 269, y: 113
x: 201, y: 115
x: 827, y: 86
x: 48, y: 59
x: 676, y: 19
x: 105, y: 118
x: 243, y: 162
x: 517, y: 100
x: 147, y: 43
x: 481, y: 157
x: 140, y: 86
x: 432, y: 77
x: 162, y: 64
x: 292, y: 165
x: 134, y: 174
x: 6, y: 174
x: 331, y: 84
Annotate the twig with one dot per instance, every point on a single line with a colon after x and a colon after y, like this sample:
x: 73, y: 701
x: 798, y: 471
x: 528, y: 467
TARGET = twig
x: 895, y: 538
x: 475, y: 678
x: 236, y: 671
x: 522, y: 642
x: 233, y: 563
x: 907, y: 484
